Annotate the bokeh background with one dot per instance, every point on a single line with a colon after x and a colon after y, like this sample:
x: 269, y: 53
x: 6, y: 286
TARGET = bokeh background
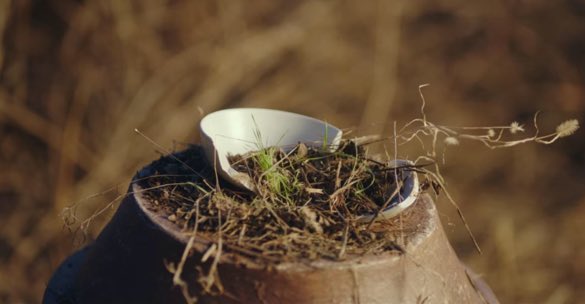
x: 78, y: 76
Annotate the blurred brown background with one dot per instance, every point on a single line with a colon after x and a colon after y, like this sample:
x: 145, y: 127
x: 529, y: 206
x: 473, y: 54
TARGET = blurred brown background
x: 78, y: 76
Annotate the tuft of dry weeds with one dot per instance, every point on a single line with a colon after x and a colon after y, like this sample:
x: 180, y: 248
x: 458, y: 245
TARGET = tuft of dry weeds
x: 309, y: 211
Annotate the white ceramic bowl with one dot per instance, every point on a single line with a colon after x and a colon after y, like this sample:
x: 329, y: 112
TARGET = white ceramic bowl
x: 234, y: 131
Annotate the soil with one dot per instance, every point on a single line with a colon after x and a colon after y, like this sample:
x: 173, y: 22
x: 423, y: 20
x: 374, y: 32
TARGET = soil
x: 306, y: 206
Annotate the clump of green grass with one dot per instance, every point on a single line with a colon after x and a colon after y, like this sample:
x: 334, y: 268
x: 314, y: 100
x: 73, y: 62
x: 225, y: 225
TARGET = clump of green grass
x: 279, y: 182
